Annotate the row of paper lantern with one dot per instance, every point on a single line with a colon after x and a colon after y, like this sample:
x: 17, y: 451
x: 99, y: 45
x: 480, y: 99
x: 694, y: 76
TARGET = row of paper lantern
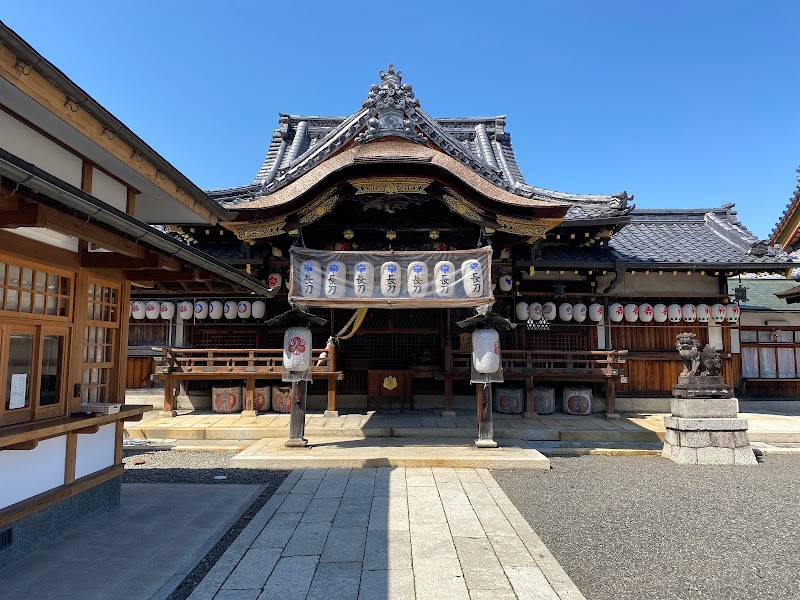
x: 631, y: 313
x: 216, y: 309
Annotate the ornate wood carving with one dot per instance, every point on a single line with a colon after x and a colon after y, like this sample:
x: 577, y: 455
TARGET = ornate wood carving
x: 319, y: 208
x: 390, y: 185
x: 261, y: 229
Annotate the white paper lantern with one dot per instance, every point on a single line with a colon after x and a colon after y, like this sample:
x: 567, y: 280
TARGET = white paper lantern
x: 579, y: 312
x: 505, y: 282
x: 689, y: 312
x: 152, y: 309
x: 616, y: 312
x: 493, y: 285
x: 417, y: 279
x: 363, y: 279
x: 660, y: 313
x: 703, y: 313
x: 391, y: 279
x: 167, y: 310
x: 310, y: 279
x: 631, y: 312
x: 596, y: 312
x: 718, y: 313
x: 444, y: 273
x: 486, y: 350
x: 137, y: 310
x: 549, y: 311
x: 674, y: 313
x: 185, y: 310
x: 521, y: 310
x: 201, y: 309
x: 535, y: 311
x: 732, y: 312
x: 259, y: 309
x: 244, y: 309
x: 230, y: 309
x: 297, y: 349
x: 335, y: 284
x: 565, y: 311
x: 645, y: 312
x: 215, y: 309
x: 472, y: 278
x: 275, y: 280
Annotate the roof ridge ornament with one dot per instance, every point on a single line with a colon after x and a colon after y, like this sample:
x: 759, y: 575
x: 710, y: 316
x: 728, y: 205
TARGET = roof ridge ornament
x: 391, y: 106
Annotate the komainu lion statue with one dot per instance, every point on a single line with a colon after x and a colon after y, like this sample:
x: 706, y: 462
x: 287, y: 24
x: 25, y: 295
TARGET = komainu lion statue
x: 695, y: 361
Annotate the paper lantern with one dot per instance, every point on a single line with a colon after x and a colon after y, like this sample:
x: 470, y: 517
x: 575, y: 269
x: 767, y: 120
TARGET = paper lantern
x: 244, y: 309
x: 718, y: 313
x: 363, y: 279
x: 549, y: 311
x: 297, y: 349
x: 310, y: 279
x: 631, y: 312
x: 535, y: 311
x: 703, y: 313
x: 274, y: 280
x: 596, y: 312
x: 137, y: 310
x: 732, y: 312
x: 230, y: 309
x: 167, y: 310
x: 335, y: 279
x: 444, y: 273
x: 645, y: 312
x: 660, y: 313
x: 674, y: 313
x: 201, y: 309
x: 521, y: 310
x: 689, y: 312
x: 259, y: 309
x: 185, y: 310
x: 493, y: 285
x: 417, y: 279
x: 565, y: 311
x: 472, y: 278
x: 505, y: 282
x: 579, y: 312
x: 391, y: 279
x: 616, y: 312
x: 215, y: 309
x: 152, y: 309
x: 486, y: 350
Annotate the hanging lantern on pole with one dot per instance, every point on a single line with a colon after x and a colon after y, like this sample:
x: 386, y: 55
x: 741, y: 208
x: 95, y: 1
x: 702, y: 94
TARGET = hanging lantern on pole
x: 486, y: 350
x: 297, y: 349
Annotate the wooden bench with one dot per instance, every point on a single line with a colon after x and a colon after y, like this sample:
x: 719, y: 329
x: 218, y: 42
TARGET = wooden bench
x: 177, y: 364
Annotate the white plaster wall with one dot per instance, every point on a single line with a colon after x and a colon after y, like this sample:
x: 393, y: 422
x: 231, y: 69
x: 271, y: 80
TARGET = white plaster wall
x: 756, y: 319
x: 668, y: 284
x: 109, y: 190
x: 47, y: 236
x: 26, y: 473
x: 29, y: 145
x: 95, y: 451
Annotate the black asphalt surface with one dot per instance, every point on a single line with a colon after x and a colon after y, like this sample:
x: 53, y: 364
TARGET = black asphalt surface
x: 643, y: 527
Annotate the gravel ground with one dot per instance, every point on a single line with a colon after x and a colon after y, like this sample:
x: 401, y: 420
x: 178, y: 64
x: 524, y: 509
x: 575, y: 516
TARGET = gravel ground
x: 177, y: 466
x: 643, y: 527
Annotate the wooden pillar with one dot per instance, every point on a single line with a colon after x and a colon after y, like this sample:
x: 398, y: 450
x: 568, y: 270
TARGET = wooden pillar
x: 611, y: 398
x: 331, y: 411
x: 249, y: 397
x: 297, y: 417
x: 169, y: 397
x: 530, y: 401
x: 483, y: 396
x: 448, y: 378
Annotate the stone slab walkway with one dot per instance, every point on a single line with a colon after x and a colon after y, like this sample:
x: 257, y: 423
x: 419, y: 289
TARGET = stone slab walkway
x: 387, y: 533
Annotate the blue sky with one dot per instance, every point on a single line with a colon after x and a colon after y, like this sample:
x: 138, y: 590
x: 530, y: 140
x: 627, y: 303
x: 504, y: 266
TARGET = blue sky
x: 682, y: 103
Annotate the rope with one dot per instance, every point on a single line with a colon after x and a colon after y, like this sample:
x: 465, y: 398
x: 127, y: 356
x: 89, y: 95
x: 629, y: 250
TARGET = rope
x: 356, y: 320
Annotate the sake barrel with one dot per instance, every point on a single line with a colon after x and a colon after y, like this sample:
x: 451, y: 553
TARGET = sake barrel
x: 244, y: 309
x: 226, y: 399
x: 152, y: 309
x: 137, y: 310
x: 616, y: 312
x: 535, y: 311
x: 565, y: 311
x: 674, y: 313
x: 596, y: 312
x: 335, y: 284
x: 215, y: 309
x: 660, y: 313
x: 391, y: 279
x: 185, y: 310
x: 549, y: 311
x: 509, y: 401
x: 579, y: 312
x: 718, y: 313
x: 201, y: 309
x: 282, y: 398
x: 577, y: 400
x: 261, y: 398
x: 297, y: 348
x: 444, y: 273
x: 689, y: 312
x: 417, y: 279
x: 310, y: 279
x: 167, y: 310
x: 631, y: 312
x: 521, y: 310
x: 230, y: 309
x: 472, y: 278
x: 544, y: 400
x: 645, y: 312
x: 363, y: 279
x: 485, y: 350
x: 703, y: 313
x: 732, y: 312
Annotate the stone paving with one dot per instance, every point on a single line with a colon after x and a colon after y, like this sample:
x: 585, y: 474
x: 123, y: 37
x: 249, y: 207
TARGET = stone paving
x: 387, y: 533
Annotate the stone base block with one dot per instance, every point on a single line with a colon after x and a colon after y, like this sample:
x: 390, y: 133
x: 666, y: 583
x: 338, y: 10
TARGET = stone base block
x: 705, y: 408
x: 685, y: 455
x: 682, y: 424
x: 331, y: 413
x: 486, y: 443
x: 707, y: 441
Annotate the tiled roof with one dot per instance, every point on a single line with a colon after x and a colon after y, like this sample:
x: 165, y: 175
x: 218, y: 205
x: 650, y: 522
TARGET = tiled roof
x: 762, y: 294
x: 791, y: 209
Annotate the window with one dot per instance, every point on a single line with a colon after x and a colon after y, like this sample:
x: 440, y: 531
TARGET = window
x: 100, y: 342
x: 28, y: 289
x: 770, y: 353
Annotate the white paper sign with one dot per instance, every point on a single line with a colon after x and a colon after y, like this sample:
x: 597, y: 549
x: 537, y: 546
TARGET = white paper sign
x: 19, y: 387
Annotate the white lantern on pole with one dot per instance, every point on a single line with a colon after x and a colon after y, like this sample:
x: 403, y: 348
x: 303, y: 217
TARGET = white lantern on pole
x: 472, y: 278
x: 230, y: 309
x: 535, y: 311
x: 486, y: 350
x: 391, y: 279
x: 201, y: 309
x: 732, y: 312
x: 152, y: 309
x: 718, y: 313
x: 565, y: 311
x: 363, y: 279
x: 186, y: 310
x: 310, y: 279
x: 645, y: 312
x: 137, y: 310
x: 417, y: 279
x: 631, y: 312
x: 215, y: 308
x: 521, y: 310
x: 335, y: 283
x: 167, y: 310
x: 444, y: 273
x: 660, y: 313
x: 505, y: 282
x: 549, y: 311
x: 689, y: 312
x: 596, y: 312
x: 259, y: 309
x: 703, y: 313
x: 674, y: 313
x: 244, y: 309
x: 579, y: 312
x: 616, y: 312
x: 297, y: 349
